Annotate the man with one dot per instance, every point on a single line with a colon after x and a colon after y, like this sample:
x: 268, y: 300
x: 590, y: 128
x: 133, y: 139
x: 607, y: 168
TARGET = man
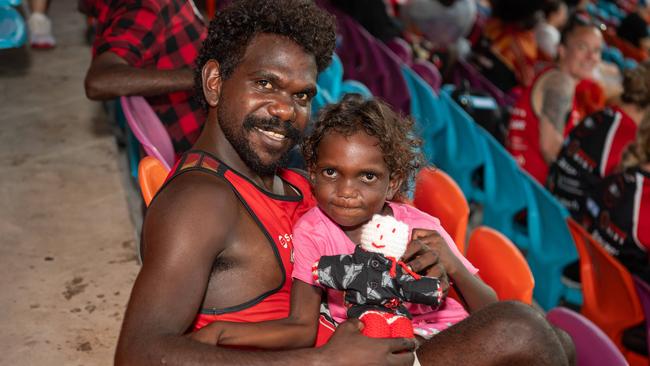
x: 148, y: 48
x: 217, y: 239
x: 546, y: 111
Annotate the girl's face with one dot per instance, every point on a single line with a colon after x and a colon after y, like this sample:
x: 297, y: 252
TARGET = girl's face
x: 351, y: 180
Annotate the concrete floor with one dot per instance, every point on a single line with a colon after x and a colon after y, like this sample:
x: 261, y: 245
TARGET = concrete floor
x: 67, y: 243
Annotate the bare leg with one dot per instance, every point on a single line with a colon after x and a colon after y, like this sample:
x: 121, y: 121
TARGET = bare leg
x: 504, y: 333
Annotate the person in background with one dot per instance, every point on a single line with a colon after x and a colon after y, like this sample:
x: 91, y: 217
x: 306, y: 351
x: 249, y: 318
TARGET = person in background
x: 546, y: 110
x: 633, y: 30
x: 40, y: 25
x: 595, y: 147
x: 148, y: 48
x: 547, y: 32
x: 618, y: 209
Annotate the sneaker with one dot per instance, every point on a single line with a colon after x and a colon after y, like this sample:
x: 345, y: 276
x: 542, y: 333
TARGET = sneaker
x: 40, y: 31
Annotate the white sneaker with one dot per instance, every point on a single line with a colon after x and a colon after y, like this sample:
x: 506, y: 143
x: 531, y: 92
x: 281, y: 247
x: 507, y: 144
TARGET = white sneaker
x: 40, y: 31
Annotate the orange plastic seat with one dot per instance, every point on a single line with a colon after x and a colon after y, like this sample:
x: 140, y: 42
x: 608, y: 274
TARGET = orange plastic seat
x: 501, y: 265
x: 610, y: 298
x: 437, y: 194
x: 151, y: 176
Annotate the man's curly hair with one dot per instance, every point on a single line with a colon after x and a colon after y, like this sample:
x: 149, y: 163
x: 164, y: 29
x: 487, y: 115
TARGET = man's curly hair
x: 397, y: 141
x: 232, y: 30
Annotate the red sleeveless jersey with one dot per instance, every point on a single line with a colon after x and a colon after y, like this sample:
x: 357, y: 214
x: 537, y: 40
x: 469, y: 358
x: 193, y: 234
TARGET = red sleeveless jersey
x: 523, y: 133
x: 275, y: 216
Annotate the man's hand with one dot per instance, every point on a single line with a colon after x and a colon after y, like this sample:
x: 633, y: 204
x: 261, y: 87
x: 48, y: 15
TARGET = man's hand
x: 349, y: 347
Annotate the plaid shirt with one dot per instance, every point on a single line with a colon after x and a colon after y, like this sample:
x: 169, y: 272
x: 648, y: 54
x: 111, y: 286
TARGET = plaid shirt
x: 156, y: 34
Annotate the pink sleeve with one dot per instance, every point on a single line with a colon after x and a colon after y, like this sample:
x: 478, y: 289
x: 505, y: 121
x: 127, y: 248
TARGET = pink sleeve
x: 305, y: 251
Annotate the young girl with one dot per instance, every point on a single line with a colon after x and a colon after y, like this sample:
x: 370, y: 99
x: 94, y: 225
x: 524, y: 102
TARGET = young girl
x: 360, y: 157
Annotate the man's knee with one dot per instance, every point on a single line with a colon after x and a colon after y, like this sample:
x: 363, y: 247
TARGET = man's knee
x: 527, y: 336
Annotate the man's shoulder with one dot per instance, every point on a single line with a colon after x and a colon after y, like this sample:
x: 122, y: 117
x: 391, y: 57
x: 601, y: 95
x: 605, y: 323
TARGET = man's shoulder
x: 193, y: 191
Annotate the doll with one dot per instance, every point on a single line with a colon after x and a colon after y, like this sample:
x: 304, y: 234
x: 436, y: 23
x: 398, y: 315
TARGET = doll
x: 376, y: 282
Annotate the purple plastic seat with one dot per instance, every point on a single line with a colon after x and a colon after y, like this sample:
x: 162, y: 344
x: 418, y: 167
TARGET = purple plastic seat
x: 401, y: 49
x: 429, y: 72
x: 593, y: 347
x: 369, y: 61
x: 148, y: 129
x: 643, y: 290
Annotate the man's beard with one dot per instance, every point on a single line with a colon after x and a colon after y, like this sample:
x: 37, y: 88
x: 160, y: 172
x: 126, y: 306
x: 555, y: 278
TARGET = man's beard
x: 242, y: 147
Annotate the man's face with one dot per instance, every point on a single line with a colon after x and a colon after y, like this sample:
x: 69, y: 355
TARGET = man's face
x: 265, y: 104
x: 581, y: 53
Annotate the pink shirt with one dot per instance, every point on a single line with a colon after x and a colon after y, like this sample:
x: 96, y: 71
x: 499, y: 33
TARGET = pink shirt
x: 315, y: 235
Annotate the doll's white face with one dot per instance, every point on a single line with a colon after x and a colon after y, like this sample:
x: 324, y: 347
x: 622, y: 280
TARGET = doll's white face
x: 385, y: 235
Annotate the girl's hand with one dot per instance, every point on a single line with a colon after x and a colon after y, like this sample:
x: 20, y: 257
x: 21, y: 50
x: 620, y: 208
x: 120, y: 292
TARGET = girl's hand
x: 428, y: 248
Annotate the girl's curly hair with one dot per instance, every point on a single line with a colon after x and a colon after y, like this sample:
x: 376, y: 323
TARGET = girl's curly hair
x: 397, y: 141
x: 232, y: 30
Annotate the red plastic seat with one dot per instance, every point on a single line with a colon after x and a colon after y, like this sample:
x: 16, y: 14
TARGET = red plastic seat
x: 151, y: 176
x: 610, y: 298
x: 501, y: 265
x: 437, y: 194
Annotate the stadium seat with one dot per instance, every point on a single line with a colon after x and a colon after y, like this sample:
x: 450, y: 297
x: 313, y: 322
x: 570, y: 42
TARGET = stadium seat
x: 501, y: 265
x: 610, y: 297
x: 151, y: 176
x: 13, y: 30
x: 426, y: 112
x: 551, y: 246
x: 593, y: 347
x: 506, y: 192
x: 437, y: 194
x: 148, y: 129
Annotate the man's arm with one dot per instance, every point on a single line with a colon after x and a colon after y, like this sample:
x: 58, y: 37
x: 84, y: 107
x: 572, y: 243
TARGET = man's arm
x: 111, y: 76
x: 556, y: 93
x: 181, y: 239
x: 296, y: 331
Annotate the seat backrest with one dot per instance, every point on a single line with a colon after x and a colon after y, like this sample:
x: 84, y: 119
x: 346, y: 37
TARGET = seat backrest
x: 643, y: 290
x: 401, y: 49
x: 148, y: 129
x: 369, y: 61
x: 593, y: 347
x: 151, y: 176
x: 505, y: 190
x: 426, y: 112
x: 551, y: 246
x: 429, y: 73
x: 610, y: 298
x: 331, y: 78
x: 501, y: 265
x: 437, y: 194
x: 13, y: 31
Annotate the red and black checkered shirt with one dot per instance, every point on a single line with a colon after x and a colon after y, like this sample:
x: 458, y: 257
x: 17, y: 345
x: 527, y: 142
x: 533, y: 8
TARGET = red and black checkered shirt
x: 160, y: 34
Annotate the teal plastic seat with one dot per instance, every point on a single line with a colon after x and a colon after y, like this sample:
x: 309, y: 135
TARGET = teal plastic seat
x: 464, y: 153
x: 505, y: 192
x: 13, y: 31
x: 426, y: 112
x: 551, y: 245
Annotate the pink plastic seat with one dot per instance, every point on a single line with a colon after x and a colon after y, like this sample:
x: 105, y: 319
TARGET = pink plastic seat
x: 148, y: 129
x: 593, y: 347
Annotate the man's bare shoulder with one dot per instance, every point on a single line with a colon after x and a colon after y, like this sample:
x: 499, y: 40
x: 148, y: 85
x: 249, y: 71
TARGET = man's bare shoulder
x: 195, y: 209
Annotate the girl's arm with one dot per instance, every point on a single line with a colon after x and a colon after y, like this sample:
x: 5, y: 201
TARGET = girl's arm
x: 475, y: 293
x: 296, y: 331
